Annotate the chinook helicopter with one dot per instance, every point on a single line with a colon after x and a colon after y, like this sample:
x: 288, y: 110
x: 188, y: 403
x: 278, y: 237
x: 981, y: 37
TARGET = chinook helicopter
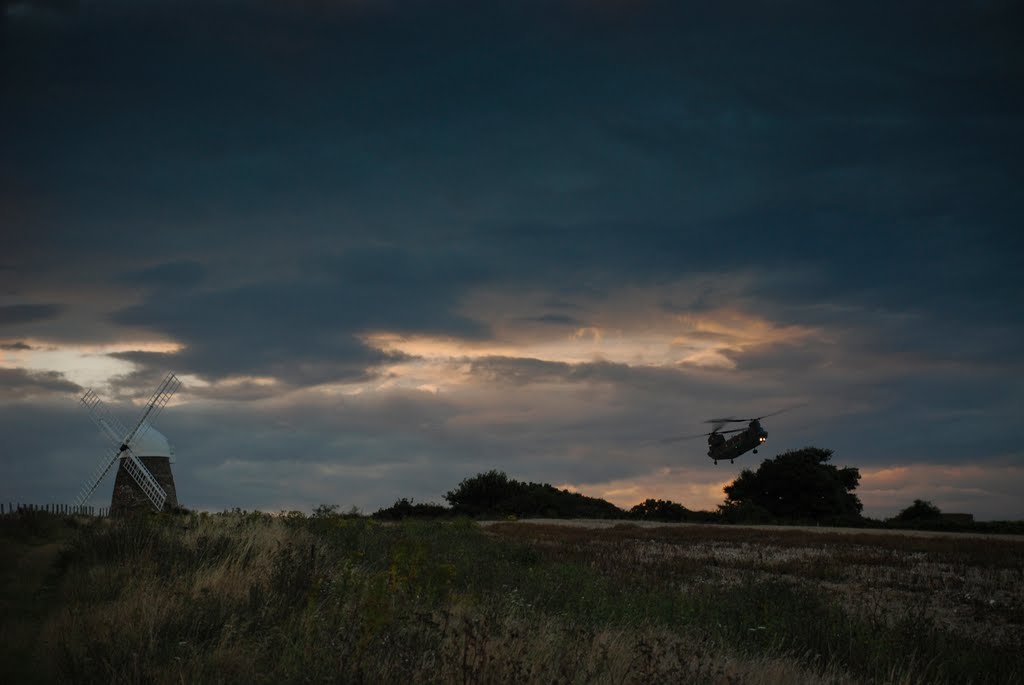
x: 745, y: 439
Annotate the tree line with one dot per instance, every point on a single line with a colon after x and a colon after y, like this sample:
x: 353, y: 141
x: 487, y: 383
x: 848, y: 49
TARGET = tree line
x: 797, y: 487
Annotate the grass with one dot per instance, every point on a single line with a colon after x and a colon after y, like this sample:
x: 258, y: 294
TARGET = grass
x: 256, y: 598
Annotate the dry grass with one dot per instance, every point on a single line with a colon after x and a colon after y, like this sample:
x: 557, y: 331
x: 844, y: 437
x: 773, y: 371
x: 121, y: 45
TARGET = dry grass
x: 254, y: 598
x: 970, y: 586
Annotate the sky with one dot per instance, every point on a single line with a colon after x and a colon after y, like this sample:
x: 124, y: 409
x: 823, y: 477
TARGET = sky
x: 390, y: 244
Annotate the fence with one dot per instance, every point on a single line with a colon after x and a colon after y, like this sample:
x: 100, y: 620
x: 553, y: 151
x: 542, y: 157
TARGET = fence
x: 59, y: 509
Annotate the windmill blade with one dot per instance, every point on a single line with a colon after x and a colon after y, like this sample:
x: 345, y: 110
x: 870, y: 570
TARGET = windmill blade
x: 156, y: 404
x: 138, y: 471
x: 108, y: 424
x: 96, y: 477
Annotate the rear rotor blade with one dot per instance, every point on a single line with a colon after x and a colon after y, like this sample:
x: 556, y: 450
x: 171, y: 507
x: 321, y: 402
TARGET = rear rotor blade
x: 680, y: 438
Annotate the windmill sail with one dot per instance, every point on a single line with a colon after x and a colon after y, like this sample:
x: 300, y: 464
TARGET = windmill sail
x: 156, y: 404
x: 144, y: 478
x: 104, y: 420
x: 96, y: 477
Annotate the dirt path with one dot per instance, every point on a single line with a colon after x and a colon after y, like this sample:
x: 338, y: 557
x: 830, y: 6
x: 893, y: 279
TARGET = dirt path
x: 26, y: 595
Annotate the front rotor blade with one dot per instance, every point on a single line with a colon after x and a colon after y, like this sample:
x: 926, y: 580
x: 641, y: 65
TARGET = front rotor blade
x: 781, y: 411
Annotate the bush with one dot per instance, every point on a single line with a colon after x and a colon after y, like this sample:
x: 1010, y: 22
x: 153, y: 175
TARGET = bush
x: 920, y: 510
x: 495, y: 494
x: 660, y: 510
x: 407, y: 509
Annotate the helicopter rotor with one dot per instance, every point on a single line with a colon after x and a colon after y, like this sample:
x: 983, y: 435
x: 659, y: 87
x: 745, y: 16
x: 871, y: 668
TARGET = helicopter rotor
x: 680, y: 438
x: 733, y: 419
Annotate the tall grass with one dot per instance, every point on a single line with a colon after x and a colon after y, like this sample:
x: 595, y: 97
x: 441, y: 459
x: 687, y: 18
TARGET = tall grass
x: 257, y: 598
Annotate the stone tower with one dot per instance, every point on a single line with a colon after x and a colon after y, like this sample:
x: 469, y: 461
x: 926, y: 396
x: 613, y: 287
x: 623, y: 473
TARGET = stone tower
x: 156, y: 454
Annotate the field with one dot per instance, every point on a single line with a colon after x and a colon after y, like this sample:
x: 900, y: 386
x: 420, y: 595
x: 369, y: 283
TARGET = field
x: 248, y: 597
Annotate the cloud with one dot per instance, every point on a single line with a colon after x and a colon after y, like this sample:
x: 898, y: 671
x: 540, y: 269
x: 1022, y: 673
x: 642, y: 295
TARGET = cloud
x: 15, y: 346
x: 14, y: 314
x: 554, y: 320
x: 306, y: 330
x: 20, y: 383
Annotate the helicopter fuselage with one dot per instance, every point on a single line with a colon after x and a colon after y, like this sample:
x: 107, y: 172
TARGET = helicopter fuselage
x: 720, y: 447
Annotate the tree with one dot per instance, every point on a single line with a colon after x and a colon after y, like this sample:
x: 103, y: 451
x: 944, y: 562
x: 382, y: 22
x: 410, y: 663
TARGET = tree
x: 660, y: 510
x: 798, y: 485
x: 920, y: 510
x: 484, y: 493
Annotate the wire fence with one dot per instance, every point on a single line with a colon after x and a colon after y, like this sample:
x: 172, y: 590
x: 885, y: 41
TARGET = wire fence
x: 12, y: 509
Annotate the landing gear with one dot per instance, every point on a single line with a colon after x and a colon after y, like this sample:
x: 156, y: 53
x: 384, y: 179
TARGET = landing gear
x: 716, y: 462
x: 755, y: 451
x: 731, y: 461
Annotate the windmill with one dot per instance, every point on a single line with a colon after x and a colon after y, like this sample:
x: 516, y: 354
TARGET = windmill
x: 144, y: 475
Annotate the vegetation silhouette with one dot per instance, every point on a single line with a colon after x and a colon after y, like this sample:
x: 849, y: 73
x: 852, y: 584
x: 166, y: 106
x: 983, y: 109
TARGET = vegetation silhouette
x: 667, y: 510
x: 495, y: 494
x: 406, y: 508
x: 919, y: 511
x: 798, y: 485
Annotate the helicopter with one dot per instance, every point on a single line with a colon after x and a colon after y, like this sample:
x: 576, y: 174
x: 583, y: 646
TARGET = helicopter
x: 745, y: 439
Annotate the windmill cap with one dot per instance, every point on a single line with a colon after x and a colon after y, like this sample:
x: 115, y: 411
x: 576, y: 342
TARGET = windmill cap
x: 152, y: 443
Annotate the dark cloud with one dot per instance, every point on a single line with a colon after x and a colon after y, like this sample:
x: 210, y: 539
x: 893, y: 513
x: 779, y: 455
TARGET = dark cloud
x: 16, y: 346
x: 19, y: 383
x: 179, y: 274
x: 305, y: 331
x: 150, y: 369
x: 14, y: 314
x: 23, y: 8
